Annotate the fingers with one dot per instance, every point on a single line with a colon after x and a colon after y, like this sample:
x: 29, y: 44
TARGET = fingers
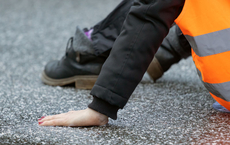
x: 54, y: 119
x: 46, y: 118
x: 54, y: 122
x: 65, y: 119
x: 87, y: 117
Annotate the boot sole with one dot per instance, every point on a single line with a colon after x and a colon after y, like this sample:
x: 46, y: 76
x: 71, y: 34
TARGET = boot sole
x: 85, y: 82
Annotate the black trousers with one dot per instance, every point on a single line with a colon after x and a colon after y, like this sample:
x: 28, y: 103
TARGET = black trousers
x: 145, y: 24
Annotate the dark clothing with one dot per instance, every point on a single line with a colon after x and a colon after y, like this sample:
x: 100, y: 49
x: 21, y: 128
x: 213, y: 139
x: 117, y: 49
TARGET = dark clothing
x: 173, y: 48
x: 106, y: 32
x: 145, y: 26
x: 175, y: 45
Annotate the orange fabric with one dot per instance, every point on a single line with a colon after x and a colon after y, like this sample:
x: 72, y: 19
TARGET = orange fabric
x: 204, y: 16
x: 222, y: 102
x: 213, y: 68
x: 200, y: 17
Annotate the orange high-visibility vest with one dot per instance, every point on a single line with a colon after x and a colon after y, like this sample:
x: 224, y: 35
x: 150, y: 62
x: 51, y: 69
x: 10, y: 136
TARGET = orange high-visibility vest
x: 206, y: 25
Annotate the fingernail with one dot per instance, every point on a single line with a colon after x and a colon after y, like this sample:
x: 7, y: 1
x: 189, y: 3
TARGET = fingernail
x: 42, y: 117
x: 40, y: 122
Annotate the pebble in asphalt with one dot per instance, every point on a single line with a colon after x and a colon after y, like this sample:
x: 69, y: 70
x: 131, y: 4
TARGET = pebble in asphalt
x: 175, y: 110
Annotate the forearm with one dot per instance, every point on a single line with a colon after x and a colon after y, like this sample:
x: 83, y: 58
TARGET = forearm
x: 145, y: 27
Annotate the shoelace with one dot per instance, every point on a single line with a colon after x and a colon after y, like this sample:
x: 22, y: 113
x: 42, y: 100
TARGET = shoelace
x: 69, y: 43
x: 69, y: 46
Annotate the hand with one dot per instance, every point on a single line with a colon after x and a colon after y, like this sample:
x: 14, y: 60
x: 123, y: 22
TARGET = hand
x: 87, y: 117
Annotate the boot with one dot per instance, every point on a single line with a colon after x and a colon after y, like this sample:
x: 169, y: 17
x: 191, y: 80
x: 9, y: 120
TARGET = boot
x: 79, y: 65
x: 84, y: 59
x: 173, y: 48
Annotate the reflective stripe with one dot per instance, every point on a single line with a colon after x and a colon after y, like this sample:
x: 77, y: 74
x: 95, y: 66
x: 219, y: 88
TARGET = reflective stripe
x: 206, y: 24
x: 221, y: 90
x: 210, y: 43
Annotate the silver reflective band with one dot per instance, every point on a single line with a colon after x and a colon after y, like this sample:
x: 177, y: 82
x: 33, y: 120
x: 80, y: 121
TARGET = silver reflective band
x: 221, y: 90
x: 211, y: 43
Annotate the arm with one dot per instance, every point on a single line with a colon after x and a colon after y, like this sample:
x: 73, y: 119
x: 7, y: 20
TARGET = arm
x: 146, y: 25
x: 144, y: 29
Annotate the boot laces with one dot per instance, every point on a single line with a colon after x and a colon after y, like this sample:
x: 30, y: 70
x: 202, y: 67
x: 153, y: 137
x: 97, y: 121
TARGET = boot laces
x: 69, y: 47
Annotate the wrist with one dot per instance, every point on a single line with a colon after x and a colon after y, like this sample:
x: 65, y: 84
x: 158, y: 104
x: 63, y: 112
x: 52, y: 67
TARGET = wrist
x: 100, y: 118
x: 104, y: 107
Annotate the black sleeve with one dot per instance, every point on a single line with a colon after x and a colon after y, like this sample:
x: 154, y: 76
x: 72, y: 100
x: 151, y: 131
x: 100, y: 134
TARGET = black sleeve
x: 145, y: 27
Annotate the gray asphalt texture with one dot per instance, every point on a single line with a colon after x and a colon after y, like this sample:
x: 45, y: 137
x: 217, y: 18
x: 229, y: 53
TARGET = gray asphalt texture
x: 175, y: 110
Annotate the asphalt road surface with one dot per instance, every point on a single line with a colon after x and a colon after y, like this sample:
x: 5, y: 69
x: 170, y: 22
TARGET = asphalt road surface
x: 175, y: 110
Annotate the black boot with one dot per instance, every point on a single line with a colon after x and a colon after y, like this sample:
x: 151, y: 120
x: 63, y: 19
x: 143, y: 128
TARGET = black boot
x: 79, y: 65
x: 173, y: 48
x: 84, y: 71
